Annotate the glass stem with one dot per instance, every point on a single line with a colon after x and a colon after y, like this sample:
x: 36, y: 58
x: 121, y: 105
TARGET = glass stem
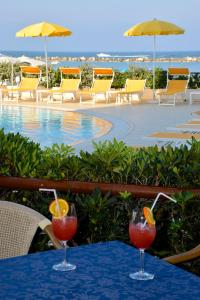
x: 65, y: 247
x: 141, y: 260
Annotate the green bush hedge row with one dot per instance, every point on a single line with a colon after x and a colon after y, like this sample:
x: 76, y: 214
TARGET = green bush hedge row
x: 110, y: 161
x: 119, y: 79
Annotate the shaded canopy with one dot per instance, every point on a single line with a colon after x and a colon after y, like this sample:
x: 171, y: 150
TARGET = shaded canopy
x: 154, y: 27
x: 43, y: 29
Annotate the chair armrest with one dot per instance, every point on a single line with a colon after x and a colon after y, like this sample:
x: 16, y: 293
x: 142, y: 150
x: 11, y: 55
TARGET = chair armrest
x: 161, y: 92
x: 49, y: 231
x: 184, y: 257
x: 46, y: 226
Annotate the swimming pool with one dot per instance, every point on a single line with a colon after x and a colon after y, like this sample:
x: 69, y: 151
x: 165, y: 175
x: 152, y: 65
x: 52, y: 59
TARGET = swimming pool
x: 49, y: 126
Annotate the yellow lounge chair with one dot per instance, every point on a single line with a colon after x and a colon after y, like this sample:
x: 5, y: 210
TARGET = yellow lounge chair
x: 175, y: 87
x: 27, y: 84
x: 132, y: 87
x: 100, y: 86
x: 68, y: 85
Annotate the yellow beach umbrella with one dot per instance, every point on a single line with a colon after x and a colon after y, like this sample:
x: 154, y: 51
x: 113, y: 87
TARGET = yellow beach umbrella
x: 45, y: 30
x: 154, y: 27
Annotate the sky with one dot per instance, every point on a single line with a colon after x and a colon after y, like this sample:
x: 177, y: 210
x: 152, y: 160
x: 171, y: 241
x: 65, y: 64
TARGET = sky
x: 99, y: 25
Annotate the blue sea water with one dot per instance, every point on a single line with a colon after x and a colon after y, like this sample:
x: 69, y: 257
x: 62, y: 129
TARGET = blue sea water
x: 122, y: 66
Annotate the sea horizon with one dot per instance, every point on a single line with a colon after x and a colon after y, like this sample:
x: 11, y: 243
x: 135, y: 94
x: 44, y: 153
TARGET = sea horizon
x: 159, y: 54
x: 121, y: 66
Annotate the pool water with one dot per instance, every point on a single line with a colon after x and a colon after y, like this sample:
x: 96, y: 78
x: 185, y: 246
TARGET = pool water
x: 47, y: 126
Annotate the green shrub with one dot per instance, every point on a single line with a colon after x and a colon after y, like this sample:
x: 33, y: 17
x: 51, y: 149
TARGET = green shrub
x: 133, y: 72
x: 86, y: 77
x: 194, y: 82
x: 18, y: 155
x: 110, y: 161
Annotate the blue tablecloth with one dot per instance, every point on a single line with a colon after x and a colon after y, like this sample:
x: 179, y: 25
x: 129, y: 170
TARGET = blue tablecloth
x: 102, y: 273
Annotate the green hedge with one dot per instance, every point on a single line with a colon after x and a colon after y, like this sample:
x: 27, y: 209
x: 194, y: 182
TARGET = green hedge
x: 106, y: 217
x: 119, y: 79
x: 110, y: 161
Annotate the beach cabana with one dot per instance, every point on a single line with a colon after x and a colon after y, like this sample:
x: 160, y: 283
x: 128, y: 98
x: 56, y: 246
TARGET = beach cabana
x: 23, y: 60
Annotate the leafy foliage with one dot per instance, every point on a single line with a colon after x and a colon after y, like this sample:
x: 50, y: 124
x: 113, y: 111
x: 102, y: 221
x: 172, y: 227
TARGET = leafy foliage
x: 18, y: 155
x: 110, y: 161
x: 133, y: 72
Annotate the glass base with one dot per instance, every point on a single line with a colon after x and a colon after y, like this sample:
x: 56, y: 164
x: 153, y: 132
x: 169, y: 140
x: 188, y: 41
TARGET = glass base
x: 141, y: 276
x: 64, y: 266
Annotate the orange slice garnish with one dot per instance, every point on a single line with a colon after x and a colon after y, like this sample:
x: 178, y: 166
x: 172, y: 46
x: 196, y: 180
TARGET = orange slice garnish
x: 148, y: 216
x: 59, y: 208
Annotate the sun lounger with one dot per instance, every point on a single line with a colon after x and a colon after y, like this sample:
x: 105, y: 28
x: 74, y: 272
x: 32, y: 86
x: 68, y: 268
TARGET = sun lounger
x: 194, y: 93
x: 176, y: 135
x: 68, y: 86
x: 133, y: 87
x: 100, y: 86
x: 194, y: 122
x: 27, y: 85
x: 191, y: 125
x: 175, y: 87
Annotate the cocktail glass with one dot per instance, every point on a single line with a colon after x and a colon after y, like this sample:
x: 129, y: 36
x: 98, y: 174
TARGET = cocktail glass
x: 141, y: 235
x: 64, y: 229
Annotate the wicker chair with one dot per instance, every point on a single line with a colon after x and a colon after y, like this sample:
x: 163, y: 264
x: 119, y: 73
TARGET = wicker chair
x: 18, y: 227
x: 184, y: 257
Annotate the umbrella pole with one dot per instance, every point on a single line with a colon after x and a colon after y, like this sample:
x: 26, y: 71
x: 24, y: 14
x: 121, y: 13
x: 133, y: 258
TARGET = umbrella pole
x: 46, y: 61
x: 154, y: 74
x: 12, y: 74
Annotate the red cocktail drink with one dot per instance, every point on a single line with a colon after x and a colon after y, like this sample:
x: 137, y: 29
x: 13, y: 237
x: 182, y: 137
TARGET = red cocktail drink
x: 64, y: 228
x: 142, y: 232
x: 64, y: 225
x: 142, y: 235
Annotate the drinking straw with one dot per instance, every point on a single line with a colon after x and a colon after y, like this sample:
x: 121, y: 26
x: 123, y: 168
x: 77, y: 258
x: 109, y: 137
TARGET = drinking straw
x: 157, y: 197
x: 156, y: 200
x: 56, y: 198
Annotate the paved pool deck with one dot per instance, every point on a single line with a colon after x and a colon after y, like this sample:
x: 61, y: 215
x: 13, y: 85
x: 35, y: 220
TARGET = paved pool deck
x: 131, y: 123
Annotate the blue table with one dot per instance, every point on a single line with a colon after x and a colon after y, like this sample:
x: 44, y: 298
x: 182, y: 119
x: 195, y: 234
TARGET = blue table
x: 102, y: 273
